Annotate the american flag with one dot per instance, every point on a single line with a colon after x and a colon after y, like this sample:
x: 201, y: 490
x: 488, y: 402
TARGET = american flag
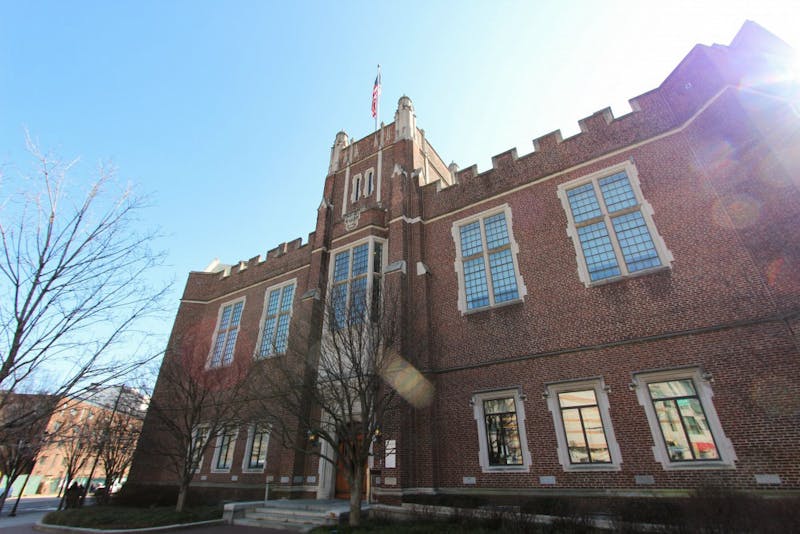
x: 376, y: 94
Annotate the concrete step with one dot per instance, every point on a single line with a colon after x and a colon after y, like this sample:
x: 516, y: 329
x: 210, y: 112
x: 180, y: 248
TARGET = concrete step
x: 279, y: 525
x: 293, y: 516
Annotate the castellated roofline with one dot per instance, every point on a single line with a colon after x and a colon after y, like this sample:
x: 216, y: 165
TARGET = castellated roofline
x: 700, y: 75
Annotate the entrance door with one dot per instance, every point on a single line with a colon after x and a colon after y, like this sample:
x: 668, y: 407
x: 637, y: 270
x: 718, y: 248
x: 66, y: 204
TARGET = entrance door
x: 342, y: 485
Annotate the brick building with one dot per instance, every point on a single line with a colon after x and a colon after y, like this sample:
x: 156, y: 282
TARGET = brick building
x: 613, y: 312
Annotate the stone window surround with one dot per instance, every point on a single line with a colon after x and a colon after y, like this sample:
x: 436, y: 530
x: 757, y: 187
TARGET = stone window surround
x: 601, y: 395
x: 645, y: 209
x: 477, y: 406
x: 459, y: 262
x: 701, y: 381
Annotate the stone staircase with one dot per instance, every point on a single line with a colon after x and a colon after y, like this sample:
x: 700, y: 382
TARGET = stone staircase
x: 293, y: 515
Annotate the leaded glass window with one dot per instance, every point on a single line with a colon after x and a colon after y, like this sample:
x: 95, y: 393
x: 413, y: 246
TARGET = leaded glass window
x: 277, y: 315
x: 683, y: 423
x: 613, y: 232
x: 489, y: 272
x: 227, y: 332
x: 502, y: 433
x: 356, y: 281
x: 583, y: 426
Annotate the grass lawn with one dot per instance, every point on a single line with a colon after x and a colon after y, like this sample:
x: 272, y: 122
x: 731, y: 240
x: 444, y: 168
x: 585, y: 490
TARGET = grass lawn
x: 111, y: 517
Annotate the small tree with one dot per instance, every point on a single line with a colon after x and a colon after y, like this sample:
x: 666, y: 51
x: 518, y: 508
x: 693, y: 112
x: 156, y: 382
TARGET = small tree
x: 74, y: 439
x: 73, y: 278
x: 341, y: 393
x: 191, y: 405
x: 22, y: 435
x: 117, y: 431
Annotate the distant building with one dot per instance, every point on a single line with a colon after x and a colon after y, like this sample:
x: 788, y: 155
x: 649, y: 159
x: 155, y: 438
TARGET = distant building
x: 617, y: 312
x: 80, y: 420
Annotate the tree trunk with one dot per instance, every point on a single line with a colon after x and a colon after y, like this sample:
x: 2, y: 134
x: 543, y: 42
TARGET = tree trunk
x: 184, y: 489
x: 355, y: 496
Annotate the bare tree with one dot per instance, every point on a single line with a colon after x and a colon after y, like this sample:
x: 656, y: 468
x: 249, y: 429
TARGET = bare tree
x: 74, y: 264
x: 341, y: 393
x: 191, y: 406
x: 73, y: 440
x: 117, y: 431
x: 22, y: 436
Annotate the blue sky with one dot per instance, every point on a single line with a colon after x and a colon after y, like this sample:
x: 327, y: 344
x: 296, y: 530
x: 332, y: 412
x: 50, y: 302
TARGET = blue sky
x: 224, y: 112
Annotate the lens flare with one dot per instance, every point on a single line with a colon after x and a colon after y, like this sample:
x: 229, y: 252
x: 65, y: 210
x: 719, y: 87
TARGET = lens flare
x: 407, y: 381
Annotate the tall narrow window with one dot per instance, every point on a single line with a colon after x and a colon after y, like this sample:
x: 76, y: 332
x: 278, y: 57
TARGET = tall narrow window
x: 685, y: 426
x: 226, y: 334
x: 486, y: 261
x: 370, y: 179
x: 501, y: 431
x: 275, y: 323
x: 197, y: 445
x: 356, y: 194
x: 355, y: 280
x: 223, y: 454
x: 612, y: 225
x: 257, y: 442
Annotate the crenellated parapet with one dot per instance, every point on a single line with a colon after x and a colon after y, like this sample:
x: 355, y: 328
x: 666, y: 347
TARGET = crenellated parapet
x: 697, y: 81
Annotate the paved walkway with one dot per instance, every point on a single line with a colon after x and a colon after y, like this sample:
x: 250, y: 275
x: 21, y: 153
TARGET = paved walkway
x: 23, y: 524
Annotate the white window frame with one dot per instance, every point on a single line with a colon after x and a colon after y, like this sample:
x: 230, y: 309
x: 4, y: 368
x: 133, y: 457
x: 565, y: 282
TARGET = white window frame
x: 455, y: 230
x: 251, y: 432
x: 264, y: 316
x: 483, y: 455
x: 601, y: 396
x: 727, y: 456
x: 643, y: 206
x: 234, y: 432
x: 372, y: 240
x: 358, y: 186
x: 222, y: 363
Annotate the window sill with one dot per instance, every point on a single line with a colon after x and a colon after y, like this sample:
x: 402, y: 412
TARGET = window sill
x: 252, y: 470
x: 621, y: 278
x: 494, y: 307
x: 699, y: 465
x: 583, y: 468
x: 507, y: 469
x: 222, y: 471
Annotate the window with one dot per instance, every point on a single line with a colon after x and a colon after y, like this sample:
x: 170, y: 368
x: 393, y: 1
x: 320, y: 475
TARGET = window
x: 274, y: 335
x: 370, y: 182
x: 501, y: 431
x: 584, y: 433
x: 356, y: 281
x: 256, y: 454
x: 685, y: 427
x: 486, y: 261
x: 223, y: 452
x: 225, y: 335
x: 611, y: 225
x: 198, y: 445
x: 356, y: 188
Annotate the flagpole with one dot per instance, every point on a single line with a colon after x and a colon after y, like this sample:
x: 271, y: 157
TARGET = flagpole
x: 378, y: 112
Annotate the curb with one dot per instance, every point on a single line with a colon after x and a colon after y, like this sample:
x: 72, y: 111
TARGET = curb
x: 43, y: 527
